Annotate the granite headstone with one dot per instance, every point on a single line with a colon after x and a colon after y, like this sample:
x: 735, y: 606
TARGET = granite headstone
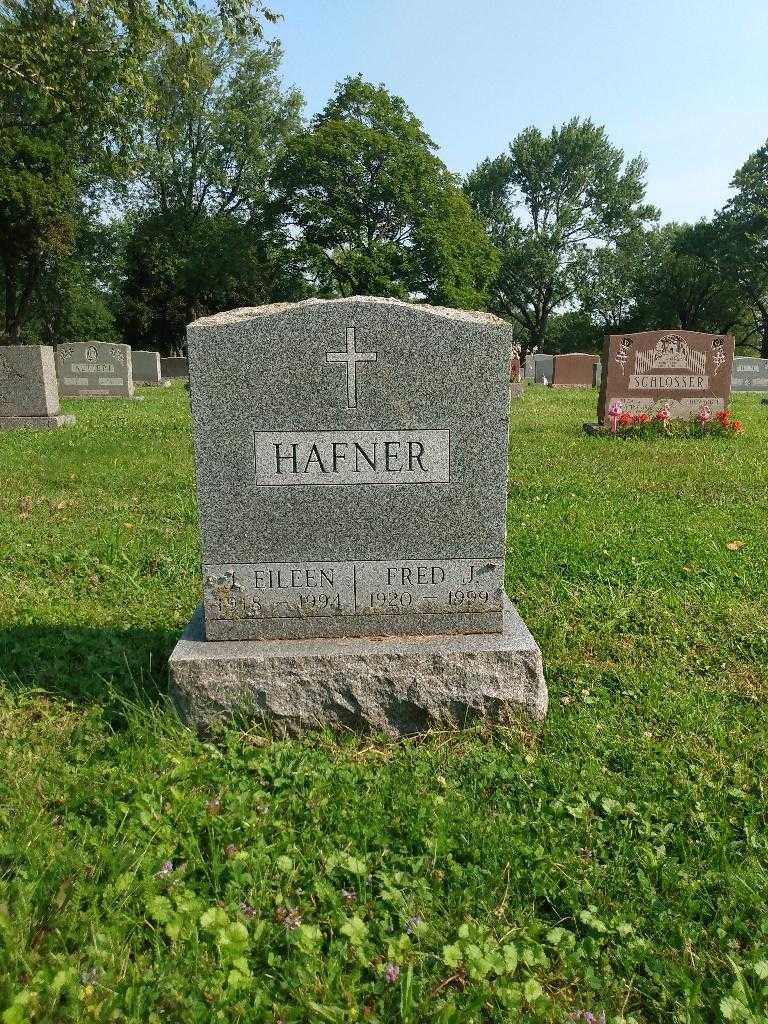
x: 749, y: 374
x: 530, y: 366
x: 146, y: 369
x: 573, y: 370
x: 683, y: 370
x: 543, y: 368
x: 351, y: 460
x: 29, y: 393
x: 174, y: 366
x: 94, y: 369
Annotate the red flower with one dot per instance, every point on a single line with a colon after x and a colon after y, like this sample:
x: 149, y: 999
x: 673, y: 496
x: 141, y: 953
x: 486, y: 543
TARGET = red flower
x: 723, y: 416
x: 626, y: 419
x: 736, y: 426
x: 643, y: 418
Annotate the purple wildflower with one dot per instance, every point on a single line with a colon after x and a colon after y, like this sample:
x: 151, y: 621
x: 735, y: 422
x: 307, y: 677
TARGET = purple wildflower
x: 247, y: 909
x: 392, y: 973
x: 413, y: 923
x: 231, y: 851
x: 165, y: 870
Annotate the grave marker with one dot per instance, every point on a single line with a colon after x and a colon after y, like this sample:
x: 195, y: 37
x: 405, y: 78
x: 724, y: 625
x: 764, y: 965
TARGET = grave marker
x: 749, y: 374
x: 174, y: 366
x: 574, y: 370
x: 351, y: 461
x: 29, y: 394
x: 94, y: 369
x: 684, y: 369
x: 146, y: 369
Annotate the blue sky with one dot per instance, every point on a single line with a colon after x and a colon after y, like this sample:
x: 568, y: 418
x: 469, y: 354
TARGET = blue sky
x: 684, y: 82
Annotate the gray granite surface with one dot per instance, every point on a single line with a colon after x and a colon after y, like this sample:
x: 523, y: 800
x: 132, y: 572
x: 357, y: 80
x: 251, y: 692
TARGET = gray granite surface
x: 398, y: 685
x: 146, y: 367
x: 94, y: 369
x: 749, y: 374
x: 28, y: 385
x: 543, y: 367
x: 360, y: 446
x: 174, y: 366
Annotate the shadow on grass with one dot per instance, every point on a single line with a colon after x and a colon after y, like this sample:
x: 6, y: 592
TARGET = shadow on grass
x: 86, y: 664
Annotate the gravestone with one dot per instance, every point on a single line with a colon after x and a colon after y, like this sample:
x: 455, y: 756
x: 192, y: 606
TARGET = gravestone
x: 174, y: 366
x: 94, y: 369
x: 29, y: 393
x: 597, y: 374
x: 146, y: 369
x: 542, y: 368
x: 684, y: 370
x: 749, y: 374
x: 573, y: 370
x: 530, y: 366
x: 351, y: 460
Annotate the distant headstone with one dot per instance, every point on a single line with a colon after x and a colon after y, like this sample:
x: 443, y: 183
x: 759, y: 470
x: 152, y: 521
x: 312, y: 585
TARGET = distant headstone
x: 351, y: 462
x: 682, y: 369
x: 597, y: 374
x: 542, y: 368
x: 174, y: 366
x: 530, y: 366
x: 514, y: 368
x: 749, y: 374
x: 29, y: 394
x: 94, y: 369
x: 146, y: 369
x: 574, y: 370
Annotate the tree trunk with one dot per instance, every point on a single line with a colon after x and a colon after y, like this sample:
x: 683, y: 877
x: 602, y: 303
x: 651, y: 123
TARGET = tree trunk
x: 764, y: 331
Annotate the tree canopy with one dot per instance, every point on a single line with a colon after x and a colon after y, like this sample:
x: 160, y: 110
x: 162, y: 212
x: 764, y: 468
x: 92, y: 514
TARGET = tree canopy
x: 543, y: 203
x: 376, y: 211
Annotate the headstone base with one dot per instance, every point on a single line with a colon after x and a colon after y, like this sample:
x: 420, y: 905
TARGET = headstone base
x: 151, y: 383
x: 396, y: 685
x: 36, y: 422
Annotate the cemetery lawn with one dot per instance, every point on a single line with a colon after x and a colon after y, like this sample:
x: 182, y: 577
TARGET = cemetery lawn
x: 613, y: 860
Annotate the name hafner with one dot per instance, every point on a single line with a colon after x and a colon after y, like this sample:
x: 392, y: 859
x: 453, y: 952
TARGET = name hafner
x: 352, y: 457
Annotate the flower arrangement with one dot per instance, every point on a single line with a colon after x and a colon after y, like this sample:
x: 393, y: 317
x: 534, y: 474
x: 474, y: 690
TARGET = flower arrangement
x: 643, y: 425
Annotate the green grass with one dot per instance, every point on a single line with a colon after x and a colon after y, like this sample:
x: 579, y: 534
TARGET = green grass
x: 613, y: 860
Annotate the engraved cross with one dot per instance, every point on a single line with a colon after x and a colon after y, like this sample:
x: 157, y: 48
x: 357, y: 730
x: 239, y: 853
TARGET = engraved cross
x: 351, y: 357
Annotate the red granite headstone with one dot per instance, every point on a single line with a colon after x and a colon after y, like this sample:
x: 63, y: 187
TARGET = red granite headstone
x: 514, y: 368
x: 684, y: 370
x: 574, y: 370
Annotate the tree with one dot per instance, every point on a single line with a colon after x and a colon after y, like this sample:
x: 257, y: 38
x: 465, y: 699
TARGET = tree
x: 376, y: 211
x: 608, y: 281
x: 71, y: 90
x: 204, y: 233
x: 743, y: 239
x: 682, y: 284
x: 36, y: 195
x: 573, y: 190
